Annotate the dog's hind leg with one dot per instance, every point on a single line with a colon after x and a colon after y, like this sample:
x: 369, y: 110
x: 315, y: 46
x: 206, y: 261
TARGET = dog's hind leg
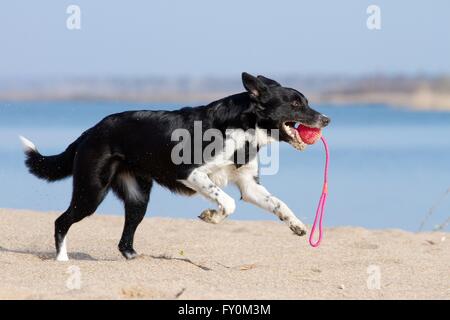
x: 200, y: 182
x: 91, y: 180
x: 135, y: 193
x: 84, y: 203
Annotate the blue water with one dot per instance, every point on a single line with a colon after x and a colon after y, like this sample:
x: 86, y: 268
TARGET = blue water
x: 388, y: 166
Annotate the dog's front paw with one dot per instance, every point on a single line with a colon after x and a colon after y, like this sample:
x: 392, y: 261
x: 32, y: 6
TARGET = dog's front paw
x: 212, y: 216
x: 298, y: 228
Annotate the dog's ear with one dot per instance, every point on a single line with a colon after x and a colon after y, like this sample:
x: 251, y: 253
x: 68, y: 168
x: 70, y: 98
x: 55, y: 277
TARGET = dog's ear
x: 253, y: 85
x: 269, y: 82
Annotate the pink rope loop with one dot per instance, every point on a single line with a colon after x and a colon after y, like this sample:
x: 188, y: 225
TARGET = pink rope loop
x: 323, y: 199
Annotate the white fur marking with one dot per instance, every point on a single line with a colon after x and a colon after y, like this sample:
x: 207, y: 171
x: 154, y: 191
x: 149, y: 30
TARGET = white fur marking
x: 201, y: 182
x: 131, y: 187
x: 27, y: 144
x: 262, y: 138
x: 62, y: 255
x: 221, y: 176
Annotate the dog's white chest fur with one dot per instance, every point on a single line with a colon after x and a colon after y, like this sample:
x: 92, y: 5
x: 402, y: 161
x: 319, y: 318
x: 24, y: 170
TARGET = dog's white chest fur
x: 221, y: 169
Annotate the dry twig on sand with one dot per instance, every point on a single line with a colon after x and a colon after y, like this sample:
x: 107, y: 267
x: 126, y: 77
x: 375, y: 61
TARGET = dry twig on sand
x: 432, y: 210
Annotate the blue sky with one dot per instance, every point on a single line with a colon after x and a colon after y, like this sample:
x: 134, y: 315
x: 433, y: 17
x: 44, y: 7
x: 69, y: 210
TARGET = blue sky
x: 201, y: 37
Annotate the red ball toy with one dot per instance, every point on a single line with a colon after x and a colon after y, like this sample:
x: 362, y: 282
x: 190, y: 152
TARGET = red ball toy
x: 309, y: 135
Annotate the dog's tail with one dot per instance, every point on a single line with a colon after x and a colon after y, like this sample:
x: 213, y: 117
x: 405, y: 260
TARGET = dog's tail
x: 50, y: 168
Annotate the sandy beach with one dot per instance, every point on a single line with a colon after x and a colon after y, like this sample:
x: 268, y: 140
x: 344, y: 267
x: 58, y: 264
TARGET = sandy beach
x: 189, y: 259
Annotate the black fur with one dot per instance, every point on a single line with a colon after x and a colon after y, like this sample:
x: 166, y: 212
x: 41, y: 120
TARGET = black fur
x: 52, y: 168
x: 138, y: 144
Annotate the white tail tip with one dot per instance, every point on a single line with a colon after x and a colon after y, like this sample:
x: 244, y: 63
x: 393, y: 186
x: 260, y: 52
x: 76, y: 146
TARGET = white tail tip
x: 27, y: 144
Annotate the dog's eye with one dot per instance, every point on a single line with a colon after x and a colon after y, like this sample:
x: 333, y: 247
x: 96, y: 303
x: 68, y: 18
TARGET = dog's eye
x: 296, y: 103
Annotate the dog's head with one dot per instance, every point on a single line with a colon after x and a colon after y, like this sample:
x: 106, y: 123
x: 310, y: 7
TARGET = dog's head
x: 282, y: 108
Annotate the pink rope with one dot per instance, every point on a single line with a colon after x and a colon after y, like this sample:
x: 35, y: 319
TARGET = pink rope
x: 323, y: 199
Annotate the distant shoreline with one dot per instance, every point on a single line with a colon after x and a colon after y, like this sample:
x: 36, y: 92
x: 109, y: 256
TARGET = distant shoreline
x: 419, y: 101
x: 415, y: 93
x: 416, y: 102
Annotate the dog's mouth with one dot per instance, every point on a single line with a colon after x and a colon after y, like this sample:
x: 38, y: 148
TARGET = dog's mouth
x: 292, y: 135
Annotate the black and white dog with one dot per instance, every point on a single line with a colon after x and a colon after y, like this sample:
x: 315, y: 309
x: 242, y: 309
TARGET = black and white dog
x: 128, y: 151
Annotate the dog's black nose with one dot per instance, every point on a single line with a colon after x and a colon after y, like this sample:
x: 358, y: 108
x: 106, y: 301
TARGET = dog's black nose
x: 325, y: 121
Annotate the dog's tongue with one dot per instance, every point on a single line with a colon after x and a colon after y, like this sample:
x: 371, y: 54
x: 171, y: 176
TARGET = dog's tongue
x: 309, y: 135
